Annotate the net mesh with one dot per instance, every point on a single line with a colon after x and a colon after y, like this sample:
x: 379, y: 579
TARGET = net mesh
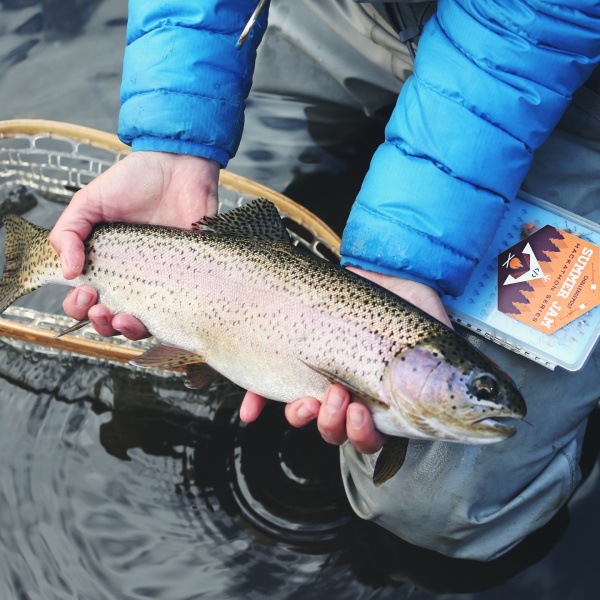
x: 57, y: 165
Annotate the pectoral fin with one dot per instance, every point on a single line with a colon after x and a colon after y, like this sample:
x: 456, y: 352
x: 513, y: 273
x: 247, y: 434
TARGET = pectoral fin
x: 357, y: 395
x: 390, y: 459
x: 165, y: 357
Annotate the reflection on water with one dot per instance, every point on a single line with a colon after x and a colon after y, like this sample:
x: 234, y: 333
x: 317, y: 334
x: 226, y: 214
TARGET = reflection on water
x: 61, y: 59
x: 122, y: 484
x: 112, y: 492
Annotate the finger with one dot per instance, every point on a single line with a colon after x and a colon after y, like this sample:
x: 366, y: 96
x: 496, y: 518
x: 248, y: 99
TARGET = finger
x: 301, y: 412
x: 79, y: 300
x: 332, y: 415
x: 361, y: 430
x: 252, y: 406
x: 101, y: 318
x: 130, y: 327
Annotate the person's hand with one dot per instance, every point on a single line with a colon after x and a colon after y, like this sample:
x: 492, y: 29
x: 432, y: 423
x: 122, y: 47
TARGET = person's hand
x: 158, y: 188
x: 338, y: 419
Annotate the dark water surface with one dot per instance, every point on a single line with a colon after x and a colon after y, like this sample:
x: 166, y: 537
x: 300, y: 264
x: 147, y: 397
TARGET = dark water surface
x: 117, y: 484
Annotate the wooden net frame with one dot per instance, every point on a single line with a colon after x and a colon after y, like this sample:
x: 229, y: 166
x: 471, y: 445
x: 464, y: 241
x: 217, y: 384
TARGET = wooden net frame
x: 56, y: 159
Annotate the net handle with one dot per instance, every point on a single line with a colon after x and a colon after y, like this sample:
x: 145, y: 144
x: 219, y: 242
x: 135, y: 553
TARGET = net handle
x: 69, y: 343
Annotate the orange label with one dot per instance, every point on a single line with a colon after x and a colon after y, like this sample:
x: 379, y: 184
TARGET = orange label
x: 548, y: 279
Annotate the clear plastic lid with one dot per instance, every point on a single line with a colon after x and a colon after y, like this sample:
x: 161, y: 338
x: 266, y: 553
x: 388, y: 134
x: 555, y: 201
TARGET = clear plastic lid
x: 477, y: 308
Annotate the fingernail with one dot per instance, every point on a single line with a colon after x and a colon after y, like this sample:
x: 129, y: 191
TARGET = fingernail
x: 100, y: 321
x: 63, y: 262
x: 83, y: 299
x: 305, y: 412
x: 244, y: 416
x: 66, y: 266
x: 335, y: 400
x: 356, y: 416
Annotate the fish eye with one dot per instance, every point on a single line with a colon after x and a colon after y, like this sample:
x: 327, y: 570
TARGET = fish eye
x: 484, y: 387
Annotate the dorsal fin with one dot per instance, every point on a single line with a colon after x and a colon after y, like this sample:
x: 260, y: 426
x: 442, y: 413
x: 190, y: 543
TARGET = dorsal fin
x: 258, y: 219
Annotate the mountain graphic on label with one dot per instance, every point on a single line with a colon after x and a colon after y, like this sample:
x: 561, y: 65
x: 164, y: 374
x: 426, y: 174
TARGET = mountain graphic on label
x: 520, y: 272
x: 526, y: 267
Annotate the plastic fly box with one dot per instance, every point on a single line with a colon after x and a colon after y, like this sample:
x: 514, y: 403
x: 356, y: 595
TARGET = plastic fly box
x: 535, y: 291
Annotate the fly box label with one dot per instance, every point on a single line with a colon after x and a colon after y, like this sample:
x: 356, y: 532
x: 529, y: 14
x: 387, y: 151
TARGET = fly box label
x: 549, y: 279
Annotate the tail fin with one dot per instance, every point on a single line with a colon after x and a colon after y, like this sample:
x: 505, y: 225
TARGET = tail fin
x: 28, y: 260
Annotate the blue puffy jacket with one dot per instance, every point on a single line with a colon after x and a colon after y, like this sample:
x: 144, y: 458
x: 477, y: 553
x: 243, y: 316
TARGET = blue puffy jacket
x: 184, y: 81
x: 492, y: 79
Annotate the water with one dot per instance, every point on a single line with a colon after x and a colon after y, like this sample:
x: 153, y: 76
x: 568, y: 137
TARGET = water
x: 117, y: 484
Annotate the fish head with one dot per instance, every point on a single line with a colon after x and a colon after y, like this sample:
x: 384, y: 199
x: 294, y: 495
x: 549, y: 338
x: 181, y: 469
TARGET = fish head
x: 447, y: 390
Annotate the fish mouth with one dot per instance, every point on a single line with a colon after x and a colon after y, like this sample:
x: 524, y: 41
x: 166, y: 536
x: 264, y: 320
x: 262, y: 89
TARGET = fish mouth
x: 494, y: 428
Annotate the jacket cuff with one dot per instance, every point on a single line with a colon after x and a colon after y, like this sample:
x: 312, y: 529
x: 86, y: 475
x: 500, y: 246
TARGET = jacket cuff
x: 154, y: 144
x: 435, y: 240
x: 184, y: 79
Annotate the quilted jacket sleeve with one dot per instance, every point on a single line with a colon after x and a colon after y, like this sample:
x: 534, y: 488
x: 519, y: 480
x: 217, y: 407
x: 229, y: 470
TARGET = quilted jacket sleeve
x: 491, y: 80
x: 184, y: 81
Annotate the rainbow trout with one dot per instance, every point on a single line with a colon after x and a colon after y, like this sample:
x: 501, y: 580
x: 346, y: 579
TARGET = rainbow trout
x: 235, y: 297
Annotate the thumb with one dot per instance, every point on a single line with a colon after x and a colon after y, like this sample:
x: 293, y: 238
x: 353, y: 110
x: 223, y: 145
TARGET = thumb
x: 69, y: 247
x: 67, y: 236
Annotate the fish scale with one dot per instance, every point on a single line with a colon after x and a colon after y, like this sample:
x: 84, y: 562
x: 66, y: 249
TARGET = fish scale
x: 235, y: 297
x: 216, y: 317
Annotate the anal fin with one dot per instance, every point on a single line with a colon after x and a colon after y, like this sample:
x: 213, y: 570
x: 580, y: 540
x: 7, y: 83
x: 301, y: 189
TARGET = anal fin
x: 199, y: 374
x: 390, y: 459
